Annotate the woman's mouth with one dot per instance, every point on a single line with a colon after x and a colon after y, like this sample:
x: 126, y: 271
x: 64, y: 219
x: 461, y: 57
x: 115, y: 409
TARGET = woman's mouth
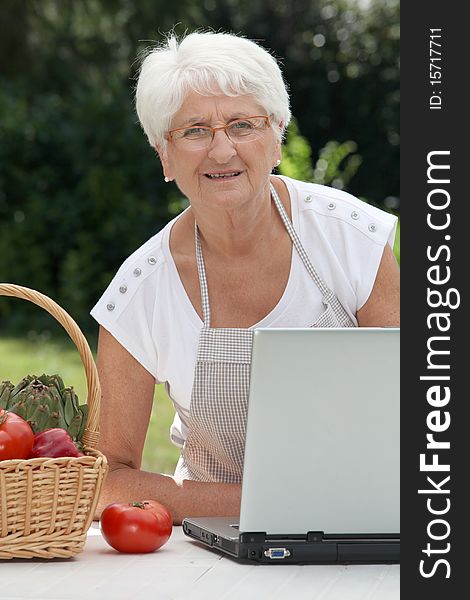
x: 222, y: 175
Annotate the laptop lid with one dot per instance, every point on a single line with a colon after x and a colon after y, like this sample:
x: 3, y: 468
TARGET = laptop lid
x: 322, y: 440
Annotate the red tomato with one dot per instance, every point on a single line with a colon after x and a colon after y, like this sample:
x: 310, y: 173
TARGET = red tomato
x: 16, y: 436
x: 136, y: 527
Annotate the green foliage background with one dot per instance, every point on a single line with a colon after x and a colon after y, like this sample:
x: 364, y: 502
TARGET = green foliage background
x: 80, y: 188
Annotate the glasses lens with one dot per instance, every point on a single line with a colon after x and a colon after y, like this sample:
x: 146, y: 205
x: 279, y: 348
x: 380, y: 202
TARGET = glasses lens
x: 193, y: 137
x: 246, y: 130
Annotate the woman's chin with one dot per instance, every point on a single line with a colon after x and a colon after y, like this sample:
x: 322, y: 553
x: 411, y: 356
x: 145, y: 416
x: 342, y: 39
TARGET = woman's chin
x: 225, y: 190
x: 227, y: 197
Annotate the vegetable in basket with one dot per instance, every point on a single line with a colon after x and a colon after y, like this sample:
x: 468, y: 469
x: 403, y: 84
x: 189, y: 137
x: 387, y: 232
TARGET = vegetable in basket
x: 53, y: 443
x: 45, y: 403
x: 16, y: 436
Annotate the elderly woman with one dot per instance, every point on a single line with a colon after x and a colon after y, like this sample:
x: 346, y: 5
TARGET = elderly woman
x: 251, y: 250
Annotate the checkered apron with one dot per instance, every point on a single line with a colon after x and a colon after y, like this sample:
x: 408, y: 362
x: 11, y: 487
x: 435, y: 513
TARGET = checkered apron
x: 214, y: 448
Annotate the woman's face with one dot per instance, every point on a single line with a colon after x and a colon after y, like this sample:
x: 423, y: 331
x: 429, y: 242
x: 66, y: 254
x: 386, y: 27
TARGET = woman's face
x: 251, y: 162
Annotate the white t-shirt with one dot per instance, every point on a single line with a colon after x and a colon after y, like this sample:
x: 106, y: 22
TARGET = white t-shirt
x: 147, y: 310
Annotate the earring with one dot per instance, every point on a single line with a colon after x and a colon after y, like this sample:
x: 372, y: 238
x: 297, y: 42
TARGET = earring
x: 278, y: 162
x: 167, y: 179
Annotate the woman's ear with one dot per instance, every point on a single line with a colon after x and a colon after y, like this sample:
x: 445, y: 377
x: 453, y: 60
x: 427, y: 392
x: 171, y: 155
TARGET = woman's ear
x: 278, y: 153
x: 164, y: 160
x: 279, y: 139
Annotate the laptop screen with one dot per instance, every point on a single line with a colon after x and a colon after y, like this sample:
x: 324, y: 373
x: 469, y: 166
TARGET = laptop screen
x: 322, y: 444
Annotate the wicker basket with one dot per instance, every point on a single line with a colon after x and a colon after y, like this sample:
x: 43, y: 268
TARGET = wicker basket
x: 48, y: 504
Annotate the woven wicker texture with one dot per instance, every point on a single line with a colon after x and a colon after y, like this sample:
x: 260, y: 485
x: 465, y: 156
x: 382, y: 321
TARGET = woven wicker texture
x: 46, y: 504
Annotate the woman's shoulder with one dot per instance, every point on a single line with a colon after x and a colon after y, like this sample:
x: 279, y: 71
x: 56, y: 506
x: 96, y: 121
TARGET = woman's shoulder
x: 150, y: 252
x: 150, y: 256
x: 138, y: 275
x: 334, y: 207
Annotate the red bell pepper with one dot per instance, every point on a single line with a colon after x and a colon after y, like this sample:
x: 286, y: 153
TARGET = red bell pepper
x: 54, y: 443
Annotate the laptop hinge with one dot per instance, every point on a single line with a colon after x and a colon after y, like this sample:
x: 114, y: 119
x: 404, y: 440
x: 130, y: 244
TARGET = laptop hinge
x: 315, y: 536
x: 261, y: 537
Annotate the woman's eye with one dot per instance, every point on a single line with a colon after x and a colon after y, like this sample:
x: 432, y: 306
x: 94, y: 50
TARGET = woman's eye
x: 242, y: 125
x: 195, y: 132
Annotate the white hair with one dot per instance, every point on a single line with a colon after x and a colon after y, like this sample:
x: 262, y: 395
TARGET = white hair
x: 210, y: 64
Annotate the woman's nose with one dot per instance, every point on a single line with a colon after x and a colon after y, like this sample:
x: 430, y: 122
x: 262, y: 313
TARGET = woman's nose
x: 222, y: 148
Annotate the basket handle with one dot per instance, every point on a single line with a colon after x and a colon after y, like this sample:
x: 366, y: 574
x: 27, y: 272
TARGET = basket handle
x: 91, y: 433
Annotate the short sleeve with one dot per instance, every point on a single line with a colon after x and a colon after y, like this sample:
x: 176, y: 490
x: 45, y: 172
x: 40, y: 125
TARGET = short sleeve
x: 345, y: 238
x: 372, y: 253
x: 127, y: 308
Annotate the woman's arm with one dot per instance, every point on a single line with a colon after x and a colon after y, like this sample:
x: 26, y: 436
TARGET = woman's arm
x: 382, y: 308
x: 127, y: 397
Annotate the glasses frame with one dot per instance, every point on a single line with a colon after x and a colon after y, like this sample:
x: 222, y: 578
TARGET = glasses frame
x: 170, y: 132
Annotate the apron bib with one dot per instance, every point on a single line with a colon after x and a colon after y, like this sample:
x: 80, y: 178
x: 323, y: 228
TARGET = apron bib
x: 214, y: 448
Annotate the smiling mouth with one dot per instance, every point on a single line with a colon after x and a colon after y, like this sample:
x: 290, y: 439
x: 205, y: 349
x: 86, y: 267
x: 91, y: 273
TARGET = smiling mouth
x: 222, y: 175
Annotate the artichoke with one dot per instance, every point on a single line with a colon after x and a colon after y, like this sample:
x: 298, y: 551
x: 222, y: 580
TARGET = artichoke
x: 5, y: 391
x: 45, y: 403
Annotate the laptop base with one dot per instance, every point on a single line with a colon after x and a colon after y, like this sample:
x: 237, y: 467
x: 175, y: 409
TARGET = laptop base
x: 314, y: 547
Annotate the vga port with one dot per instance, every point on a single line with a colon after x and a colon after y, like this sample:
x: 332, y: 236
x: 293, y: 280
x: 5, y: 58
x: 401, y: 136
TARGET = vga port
x: 277, y: 553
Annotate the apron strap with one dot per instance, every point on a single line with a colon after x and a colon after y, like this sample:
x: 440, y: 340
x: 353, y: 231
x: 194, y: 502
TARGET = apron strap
x: 206, y: 310
x: 324, y: 289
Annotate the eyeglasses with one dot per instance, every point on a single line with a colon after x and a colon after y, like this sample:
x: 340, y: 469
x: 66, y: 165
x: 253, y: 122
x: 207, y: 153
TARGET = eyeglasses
x: 197, y: 137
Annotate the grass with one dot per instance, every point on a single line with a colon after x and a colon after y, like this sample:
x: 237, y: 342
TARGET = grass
x: 20, y: 357
x: 396, y: 246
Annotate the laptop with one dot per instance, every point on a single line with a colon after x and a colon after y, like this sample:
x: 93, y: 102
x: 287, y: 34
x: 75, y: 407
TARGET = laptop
x: 322, y: 453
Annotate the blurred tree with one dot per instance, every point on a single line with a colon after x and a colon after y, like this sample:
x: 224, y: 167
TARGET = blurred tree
x: 336, y: 164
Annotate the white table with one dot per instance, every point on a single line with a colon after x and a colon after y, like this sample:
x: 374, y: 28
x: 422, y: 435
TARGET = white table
x: 185, y: 570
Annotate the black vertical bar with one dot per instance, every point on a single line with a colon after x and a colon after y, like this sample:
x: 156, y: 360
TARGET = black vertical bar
x: 434, y: 131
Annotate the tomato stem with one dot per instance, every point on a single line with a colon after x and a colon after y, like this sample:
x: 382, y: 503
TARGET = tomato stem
x: 137, y: 504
